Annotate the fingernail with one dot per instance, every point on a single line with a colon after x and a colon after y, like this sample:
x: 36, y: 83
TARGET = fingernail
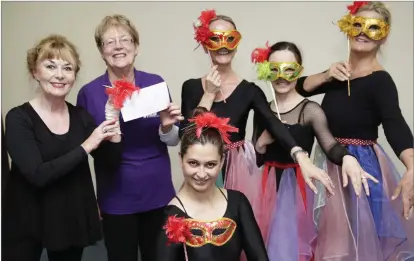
x: 393, y: 197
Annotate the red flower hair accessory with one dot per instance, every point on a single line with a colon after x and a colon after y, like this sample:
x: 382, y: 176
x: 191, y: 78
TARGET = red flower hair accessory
x: 202, y: 31
x: 177, y: 231
x: 120, y: 91
x: 355, y: 6
x: 210, y: 120
x: 260, y: 55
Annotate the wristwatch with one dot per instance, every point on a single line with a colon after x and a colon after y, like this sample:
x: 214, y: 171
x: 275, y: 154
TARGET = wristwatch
x: 294, y: 154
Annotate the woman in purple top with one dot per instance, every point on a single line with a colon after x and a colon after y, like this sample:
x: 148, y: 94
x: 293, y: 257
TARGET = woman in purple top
x: 132, y: 198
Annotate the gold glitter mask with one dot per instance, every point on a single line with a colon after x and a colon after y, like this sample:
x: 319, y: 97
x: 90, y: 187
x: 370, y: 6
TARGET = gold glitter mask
x: 375, y: 29
x: 224, y: 39
x: 289, y: 71
x: 217, y: 232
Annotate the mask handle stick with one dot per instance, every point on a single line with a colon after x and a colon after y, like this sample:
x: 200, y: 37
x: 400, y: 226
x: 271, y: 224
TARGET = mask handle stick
x: 269, y: 84
x: 349, y: 60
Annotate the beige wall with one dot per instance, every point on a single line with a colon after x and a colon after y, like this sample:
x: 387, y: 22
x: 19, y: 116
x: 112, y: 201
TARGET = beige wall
x: 167, y: 44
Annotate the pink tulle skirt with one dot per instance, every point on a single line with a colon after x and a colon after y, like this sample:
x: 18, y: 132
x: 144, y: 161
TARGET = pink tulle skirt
x: 242, y: 173
x: 362, y: 228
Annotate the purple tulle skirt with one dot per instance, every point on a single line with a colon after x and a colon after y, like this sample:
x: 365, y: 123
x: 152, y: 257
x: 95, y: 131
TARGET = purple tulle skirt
x: 362, y: 228
x: 287, y: 227
x: 291, y: 231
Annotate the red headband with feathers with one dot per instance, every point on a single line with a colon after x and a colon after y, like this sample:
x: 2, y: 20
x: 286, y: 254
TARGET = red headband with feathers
x: 210, y: 120
x: 355, y: 6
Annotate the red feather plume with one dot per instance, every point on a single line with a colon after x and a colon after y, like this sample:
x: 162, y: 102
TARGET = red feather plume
x: 260, y: 55
x: 120, y: 91
x: 355, y: 6
x: 202, y: 34
x: 201, y: 30
x: 176, y: 230
x: 210, y: 120
x: 206, y: 16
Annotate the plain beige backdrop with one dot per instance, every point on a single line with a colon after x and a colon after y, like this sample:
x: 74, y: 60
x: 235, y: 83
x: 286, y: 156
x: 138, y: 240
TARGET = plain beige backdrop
x: 167, y: 43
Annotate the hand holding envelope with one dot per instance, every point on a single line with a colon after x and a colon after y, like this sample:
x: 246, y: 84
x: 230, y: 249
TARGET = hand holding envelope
x: 170, y: 116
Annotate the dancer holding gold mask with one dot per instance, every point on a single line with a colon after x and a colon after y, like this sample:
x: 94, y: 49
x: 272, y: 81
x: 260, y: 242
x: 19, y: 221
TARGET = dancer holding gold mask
x: 378, y: 227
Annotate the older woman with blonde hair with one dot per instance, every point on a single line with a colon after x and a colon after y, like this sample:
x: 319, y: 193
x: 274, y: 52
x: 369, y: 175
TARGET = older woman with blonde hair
x: 49, y: 201
x: 133, y: 197
x: 379, y: 227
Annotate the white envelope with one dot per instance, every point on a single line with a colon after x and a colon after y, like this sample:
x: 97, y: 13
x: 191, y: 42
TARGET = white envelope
x: 148, y: 100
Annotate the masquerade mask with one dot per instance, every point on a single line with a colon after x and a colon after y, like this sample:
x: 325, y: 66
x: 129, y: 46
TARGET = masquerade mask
x: 271, y: 71
x: 289, y: 71
x: 216, y: 233
x: 223, y: 39
x: 375, y: 29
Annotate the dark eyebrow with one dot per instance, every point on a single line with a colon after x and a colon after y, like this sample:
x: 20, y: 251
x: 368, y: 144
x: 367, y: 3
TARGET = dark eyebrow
x: 213, y: 161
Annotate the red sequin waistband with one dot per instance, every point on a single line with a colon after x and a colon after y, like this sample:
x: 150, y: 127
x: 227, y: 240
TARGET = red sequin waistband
x: 356, y: 142
x: 235, y: 145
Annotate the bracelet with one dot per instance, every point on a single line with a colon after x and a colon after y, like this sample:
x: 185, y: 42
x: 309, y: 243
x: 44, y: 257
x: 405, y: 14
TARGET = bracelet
x: 296, y: 152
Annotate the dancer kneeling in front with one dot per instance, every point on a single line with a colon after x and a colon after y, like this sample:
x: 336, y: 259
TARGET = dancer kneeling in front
x: 204, y: 222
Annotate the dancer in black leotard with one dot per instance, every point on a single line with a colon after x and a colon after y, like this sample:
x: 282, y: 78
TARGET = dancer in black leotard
x: 286, y: 212
x: 216, y: 224
x: 371, y: 228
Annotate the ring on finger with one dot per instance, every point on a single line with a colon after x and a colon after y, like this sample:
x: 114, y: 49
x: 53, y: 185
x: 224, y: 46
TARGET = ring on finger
x: 104, y: 130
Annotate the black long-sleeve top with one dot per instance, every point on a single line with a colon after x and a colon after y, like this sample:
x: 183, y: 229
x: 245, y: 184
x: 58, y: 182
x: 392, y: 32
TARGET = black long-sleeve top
x: 373, y: 101
x: 246, y: 96
x: 50, y: 195
x: 236, y: 231
x: 305, y: 122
